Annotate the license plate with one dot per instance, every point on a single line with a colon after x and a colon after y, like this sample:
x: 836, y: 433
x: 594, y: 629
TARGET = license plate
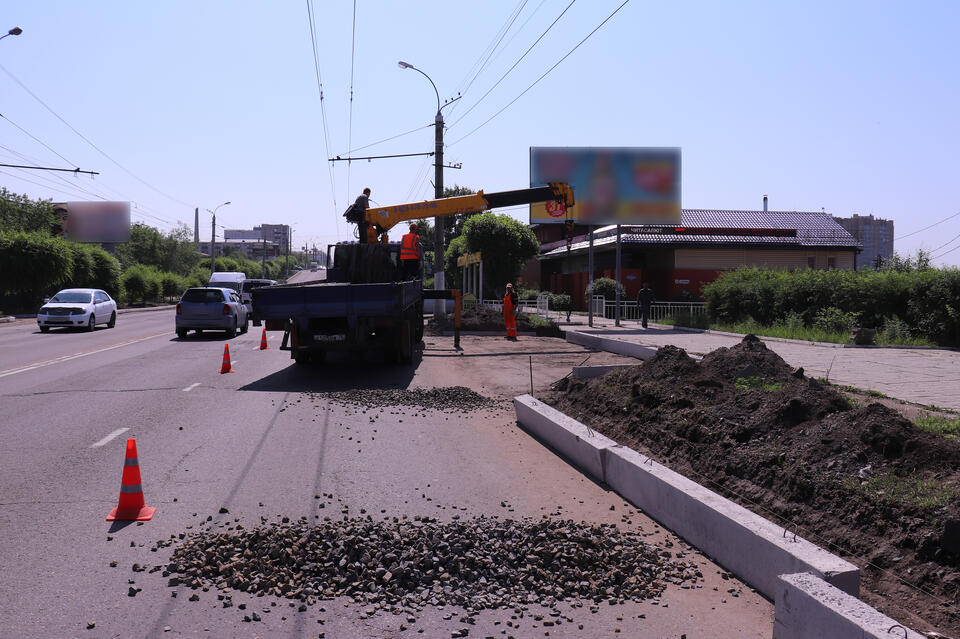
x: 329, y: 338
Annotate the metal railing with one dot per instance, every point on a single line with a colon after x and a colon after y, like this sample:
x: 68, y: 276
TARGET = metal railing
x: 630, y: 310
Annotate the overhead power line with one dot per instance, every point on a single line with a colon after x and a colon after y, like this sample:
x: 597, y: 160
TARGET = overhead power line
x: 36, y: 139
x: 323, y: 115
x: 497, y: 83
x: 545, y: 74
x: 353, y: 53
x: 927, y: 227
x: 87, y: 140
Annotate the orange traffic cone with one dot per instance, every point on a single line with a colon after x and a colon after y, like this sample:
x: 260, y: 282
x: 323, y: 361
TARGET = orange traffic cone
x: 263, y: 341
x: 225, y: 367
x: 131, y: 506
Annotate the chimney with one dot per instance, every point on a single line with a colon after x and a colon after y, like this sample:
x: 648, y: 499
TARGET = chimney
x: 764, y: 203
x: 196, y: 228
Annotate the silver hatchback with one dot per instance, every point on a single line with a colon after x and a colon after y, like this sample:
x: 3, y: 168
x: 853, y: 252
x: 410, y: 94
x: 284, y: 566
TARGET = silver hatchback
x: 209, y: 308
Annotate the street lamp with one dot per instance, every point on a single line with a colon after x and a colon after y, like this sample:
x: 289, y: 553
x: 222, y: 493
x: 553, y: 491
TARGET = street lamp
x: 213, y: 236
x: 438, y: 248
x: 13, y: 31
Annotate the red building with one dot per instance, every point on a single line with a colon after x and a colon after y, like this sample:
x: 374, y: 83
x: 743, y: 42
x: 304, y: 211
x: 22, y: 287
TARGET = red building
x: 687, y: 256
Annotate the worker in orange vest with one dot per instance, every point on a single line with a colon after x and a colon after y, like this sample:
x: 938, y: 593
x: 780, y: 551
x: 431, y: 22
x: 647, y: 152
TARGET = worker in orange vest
x: 410, y: 253
x: 511, y: 308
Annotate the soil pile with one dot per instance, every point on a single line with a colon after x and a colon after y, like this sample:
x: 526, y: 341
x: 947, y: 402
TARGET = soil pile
x: 858, y: 479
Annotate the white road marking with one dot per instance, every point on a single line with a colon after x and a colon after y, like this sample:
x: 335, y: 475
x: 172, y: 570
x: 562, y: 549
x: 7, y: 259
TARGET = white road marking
x: 66, y: 358
x: 119, y: 431
x: 191, y: 387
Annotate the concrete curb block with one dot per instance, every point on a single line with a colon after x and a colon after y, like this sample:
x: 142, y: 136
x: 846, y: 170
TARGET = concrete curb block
x: 6, y: 319
x: 752, y: 547
x: 611, y: 345
x: 809, y: 608
x: 574, y: 441
x: 586, y: 372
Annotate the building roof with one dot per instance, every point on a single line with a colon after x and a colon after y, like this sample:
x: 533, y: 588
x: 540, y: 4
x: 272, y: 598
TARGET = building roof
x: 701, y: 227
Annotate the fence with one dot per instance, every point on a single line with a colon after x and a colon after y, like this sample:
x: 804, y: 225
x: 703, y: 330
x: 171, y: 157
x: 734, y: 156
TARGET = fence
x: 630, y: 310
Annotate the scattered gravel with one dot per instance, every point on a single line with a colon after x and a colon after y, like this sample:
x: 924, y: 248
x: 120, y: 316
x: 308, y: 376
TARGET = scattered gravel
x: 478, y: 563
x: 453, y: 399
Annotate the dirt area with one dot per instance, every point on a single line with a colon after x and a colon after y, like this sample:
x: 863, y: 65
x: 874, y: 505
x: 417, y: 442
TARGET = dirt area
x: 852, y: 475
x: 487, y: 319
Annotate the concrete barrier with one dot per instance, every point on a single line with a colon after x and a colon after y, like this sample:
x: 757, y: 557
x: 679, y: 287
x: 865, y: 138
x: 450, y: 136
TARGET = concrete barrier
x: 575, y: 442
x: 611, y: 345
x: 753, y: 548
x: 807, y: 607
x: 586, y: 372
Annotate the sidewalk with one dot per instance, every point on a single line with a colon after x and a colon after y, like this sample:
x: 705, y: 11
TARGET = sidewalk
x: 924, y: 376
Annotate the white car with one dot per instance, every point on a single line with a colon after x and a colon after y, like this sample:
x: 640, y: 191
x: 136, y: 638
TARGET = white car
x: 78, y: 307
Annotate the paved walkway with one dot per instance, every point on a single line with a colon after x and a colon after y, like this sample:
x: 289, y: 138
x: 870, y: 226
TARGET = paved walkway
x: 925, y: 376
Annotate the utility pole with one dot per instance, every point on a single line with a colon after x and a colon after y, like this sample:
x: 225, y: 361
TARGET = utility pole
x: 438, y: 251
x: 213, y: 244
x: 263, y: 257
x: 196, y: 228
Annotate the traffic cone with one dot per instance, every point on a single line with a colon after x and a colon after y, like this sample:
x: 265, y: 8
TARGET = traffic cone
x: 131, y: 506
x: 225, y: 367
x: 263, y: 341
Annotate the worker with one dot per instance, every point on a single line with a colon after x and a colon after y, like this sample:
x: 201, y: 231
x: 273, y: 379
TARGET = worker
x: 644, y: 300
x: 511, y: 308
x: 357, y: 214
x: 410, y: 248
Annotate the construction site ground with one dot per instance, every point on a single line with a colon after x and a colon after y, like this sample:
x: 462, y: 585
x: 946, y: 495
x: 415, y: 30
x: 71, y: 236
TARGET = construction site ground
x: 847, y: 470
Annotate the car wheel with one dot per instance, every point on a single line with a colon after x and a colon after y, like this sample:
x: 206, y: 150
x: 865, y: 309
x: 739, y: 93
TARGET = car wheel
x: 91, y: 325
x: 113, y: 320
x: 44, y: 329
x: 181, y: 333
x: 232, y: 332
x: 244, y: 328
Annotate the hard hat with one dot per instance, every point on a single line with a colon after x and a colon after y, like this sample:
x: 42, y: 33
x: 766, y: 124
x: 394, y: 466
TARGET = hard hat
x: 509, y: 285
x: 413, y: 226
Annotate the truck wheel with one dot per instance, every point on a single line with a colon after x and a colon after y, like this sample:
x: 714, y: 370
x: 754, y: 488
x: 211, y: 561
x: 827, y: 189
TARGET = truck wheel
x: 301, y: 358
x: 405, y: 342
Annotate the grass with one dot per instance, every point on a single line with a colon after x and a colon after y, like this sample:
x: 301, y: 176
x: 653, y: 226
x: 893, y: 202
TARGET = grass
x: 535, y: 320
x: 904, y: 492
x: 939, y: 425
x: 785, y: 331
x: 750, y: 383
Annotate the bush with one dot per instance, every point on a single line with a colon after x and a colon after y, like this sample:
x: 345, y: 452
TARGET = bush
x: 833, y: 320
x: 528, y: 293
x: 33, y: 263
x: 141, y: 284
x: 561, y: 302
x: 172, y: 285
x: 606, y: 287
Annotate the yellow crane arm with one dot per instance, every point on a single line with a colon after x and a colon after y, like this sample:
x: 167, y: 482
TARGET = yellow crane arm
x: 382, y: 219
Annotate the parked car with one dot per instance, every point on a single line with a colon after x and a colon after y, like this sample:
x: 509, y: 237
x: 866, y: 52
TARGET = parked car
x: 211, y: 308
x: 246, y: 291
x: 78, y: 308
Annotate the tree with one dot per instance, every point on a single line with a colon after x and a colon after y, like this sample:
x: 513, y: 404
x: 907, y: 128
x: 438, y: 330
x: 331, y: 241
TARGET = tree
x: 172, y: 251
x: 505, y: 243
x: 20, y: 213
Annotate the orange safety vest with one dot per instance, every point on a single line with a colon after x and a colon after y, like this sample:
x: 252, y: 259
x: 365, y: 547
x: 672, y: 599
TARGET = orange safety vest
x: 408, y: 248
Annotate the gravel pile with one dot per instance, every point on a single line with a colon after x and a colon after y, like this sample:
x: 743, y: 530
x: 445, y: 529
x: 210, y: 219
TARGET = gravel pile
x: 478, y: 563
x: 447, y: 399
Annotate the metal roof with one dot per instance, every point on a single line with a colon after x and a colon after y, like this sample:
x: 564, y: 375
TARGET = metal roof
x: 744, y: 228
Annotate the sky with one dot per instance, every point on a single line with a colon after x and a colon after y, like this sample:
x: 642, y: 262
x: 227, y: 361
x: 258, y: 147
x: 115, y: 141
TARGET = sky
x: 846, y: 107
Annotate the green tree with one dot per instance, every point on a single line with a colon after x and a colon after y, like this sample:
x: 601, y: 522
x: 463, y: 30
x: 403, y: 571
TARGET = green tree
x: 173, y: 251
x: 20, y: 213
x: 33, y: 262
x: 505, y: 243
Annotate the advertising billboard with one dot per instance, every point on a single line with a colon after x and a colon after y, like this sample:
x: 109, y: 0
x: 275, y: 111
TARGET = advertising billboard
x: 612, y: 185
x: 105, y: 222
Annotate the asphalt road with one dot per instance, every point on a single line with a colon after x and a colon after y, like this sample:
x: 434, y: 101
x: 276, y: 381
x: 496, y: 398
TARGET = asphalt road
x: 261, y: 443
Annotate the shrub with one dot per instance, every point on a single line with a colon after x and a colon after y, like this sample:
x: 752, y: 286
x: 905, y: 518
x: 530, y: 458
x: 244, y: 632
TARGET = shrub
x: 834, y: 320
x: 561, y: 302
x: 606, y: 287
x: 172, y: 285
x: 141, y: 284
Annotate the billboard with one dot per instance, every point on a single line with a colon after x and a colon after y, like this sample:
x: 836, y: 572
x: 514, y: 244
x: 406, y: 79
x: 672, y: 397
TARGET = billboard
x: 106, y: 222
x: 612, y: 185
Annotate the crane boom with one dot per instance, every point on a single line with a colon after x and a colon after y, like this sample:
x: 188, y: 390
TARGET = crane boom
x: 382, y: 219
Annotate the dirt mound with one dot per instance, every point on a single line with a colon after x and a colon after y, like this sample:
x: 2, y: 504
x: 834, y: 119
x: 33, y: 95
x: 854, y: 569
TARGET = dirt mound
x: 858, y: 479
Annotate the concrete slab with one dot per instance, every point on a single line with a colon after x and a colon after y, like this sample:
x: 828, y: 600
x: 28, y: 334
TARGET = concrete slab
x: 753, y: 548
x: 580, y: 445
x: 617, y: 346
x: 807, y: 607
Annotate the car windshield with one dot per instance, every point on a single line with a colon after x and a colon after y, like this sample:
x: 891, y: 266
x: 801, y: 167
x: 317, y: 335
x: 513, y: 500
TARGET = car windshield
x: 69, y: 297
x: 203, y: 296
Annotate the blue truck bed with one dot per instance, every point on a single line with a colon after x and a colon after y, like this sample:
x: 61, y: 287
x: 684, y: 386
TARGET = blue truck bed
x: 335, y: 299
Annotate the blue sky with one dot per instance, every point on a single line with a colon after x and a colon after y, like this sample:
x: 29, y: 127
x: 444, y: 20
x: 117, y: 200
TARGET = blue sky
x: 850, y: 107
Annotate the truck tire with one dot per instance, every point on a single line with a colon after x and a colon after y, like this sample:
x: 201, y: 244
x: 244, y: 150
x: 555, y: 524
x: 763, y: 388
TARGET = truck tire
x: 301, y: 357
x: 405, y: 342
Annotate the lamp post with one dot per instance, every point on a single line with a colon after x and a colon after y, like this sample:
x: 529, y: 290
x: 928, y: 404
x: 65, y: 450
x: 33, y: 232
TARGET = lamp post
x: 13, y: 31
x: 438, y: 248
x: 213, y: 237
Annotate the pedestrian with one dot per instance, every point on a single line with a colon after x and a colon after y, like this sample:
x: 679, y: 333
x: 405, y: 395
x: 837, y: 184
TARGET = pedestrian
x: 410, y: 247
x: 356, y: 213
x: 511, y: 308
x: 644, y: 299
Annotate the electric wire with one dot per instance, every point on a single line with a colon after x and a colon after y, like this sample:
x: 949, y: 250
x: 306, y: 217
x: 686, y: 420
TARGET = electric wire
x: 323, y: 115
x: 547, y: 72
x: 87, y: 140
x: 392, y: 137
x: 353, y: 52
x: 952, y: 240
x: 37, y: 140
x: 497, y: 83
x: 937, y: 257
x: 927, y: 227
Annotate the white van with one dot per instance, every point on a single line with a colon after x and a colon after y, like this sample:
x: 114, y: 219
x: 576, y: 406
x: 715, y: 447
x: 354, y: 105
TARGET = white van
x: 231, y: 280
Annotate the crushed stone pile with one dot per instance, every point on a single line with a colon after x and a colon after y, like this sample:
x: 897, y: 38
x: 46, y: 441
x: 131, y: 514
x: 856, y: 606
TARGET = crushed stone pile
x: 479, y: 563
x: 447, y: 399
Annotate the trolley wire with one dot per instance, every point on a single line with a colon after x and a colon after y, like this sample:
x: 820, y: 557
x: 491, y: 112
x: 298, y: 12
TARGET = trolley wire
x: 353, y: 53
x: 928, y: 227
x: 545, y: 74
x: 323, y: 114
